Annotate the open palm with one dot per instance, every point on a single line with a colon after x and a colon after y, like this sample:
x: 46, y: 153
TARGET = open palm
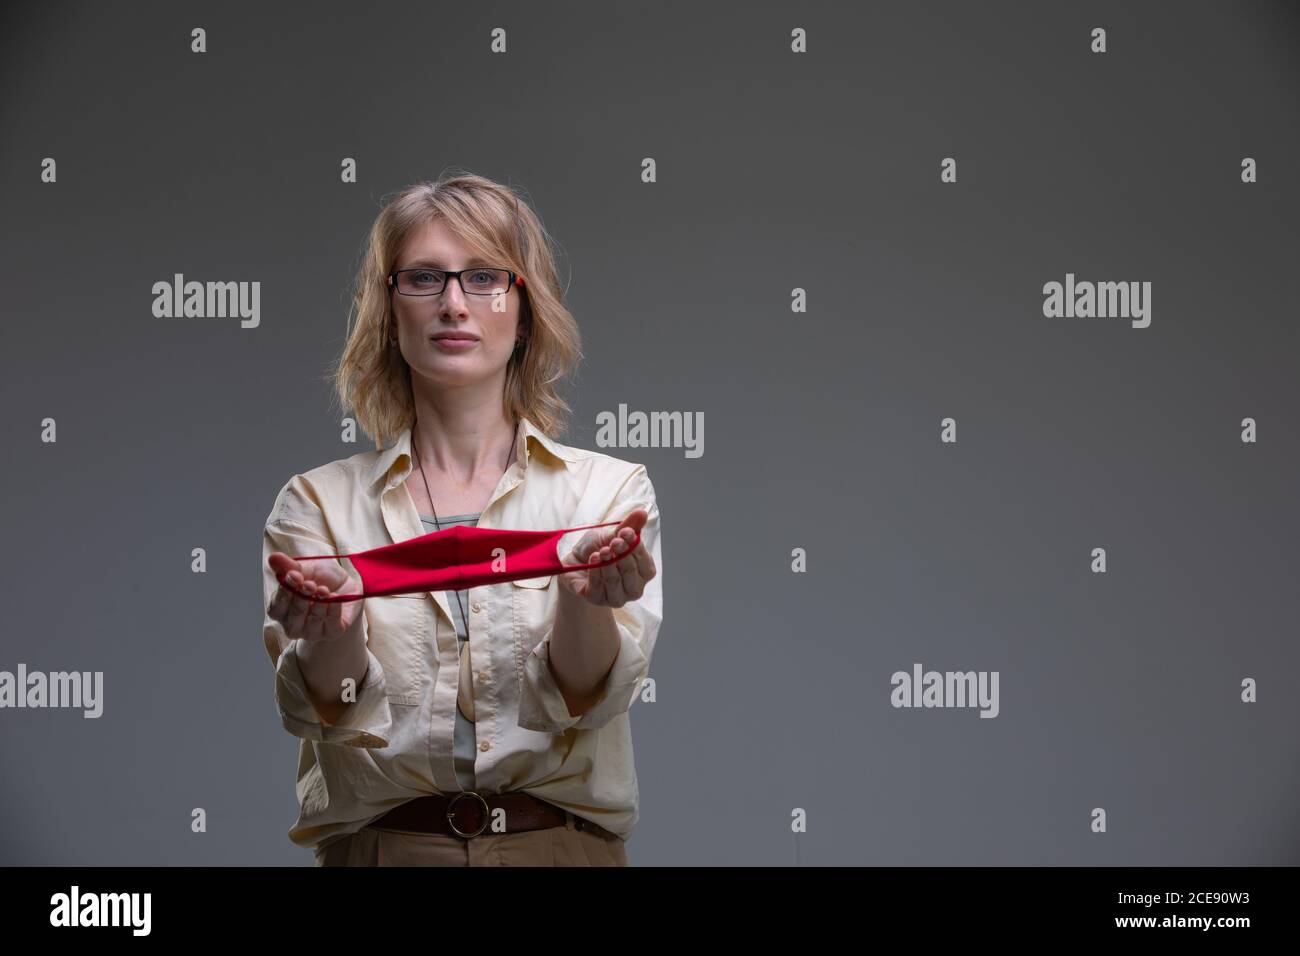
x: 302, y: 581
x: 614, y: 584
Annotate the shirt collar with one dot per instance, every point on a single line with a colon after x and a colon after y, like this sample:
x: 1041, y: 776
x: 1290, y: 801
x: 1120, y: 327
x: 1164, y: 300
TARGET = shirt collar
x: 395, y: 461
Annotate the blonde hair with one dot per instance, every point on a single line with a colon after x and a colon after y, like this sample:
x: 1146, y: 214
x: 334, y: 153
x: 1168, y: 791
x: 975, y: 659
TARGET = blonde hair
x: 493, y: 221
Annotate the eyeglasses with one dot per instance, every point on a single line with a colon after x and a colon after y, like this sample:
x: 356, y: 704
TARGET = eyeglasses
x: 433, y: 281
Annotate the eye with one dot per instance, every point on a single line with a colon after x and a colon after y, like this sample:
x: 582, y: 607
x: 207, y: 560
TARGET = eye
x: 481, y: 277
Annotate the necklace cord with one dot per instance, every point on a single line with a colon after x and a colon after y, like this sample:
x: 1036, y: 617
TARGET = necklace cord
x: 414, y: 447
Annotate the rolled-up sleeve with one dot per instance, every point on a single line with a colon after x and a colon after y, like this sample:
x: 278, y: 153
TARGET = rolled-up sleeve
x: 294, y: 527
x: 542, y: 706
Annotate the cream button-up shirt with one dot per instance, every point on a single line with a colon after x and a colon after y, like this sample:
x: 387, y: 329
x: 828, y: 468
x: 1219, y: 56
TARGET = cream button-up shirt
x: 394, y: 742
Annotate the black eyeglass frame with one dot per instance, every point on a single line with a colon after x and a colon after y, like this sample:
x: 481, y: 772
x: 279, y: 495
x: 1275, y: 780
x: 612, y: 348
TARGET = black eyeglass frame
x: 446, y: 275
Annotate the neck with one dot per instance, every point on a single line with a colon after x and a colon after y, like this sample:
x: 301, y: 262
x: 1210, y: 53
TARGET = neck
x: 464, y: 440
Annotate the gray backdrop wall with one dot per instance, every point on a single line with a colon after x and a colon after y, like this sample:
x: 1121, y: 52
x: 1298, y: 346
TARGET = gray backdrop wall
x: 774, y: 170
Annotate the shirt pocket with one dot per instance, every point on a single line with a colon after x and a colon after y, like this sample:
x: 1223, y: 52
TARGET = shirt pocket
x: 533, y: 613
x: 398, y: 632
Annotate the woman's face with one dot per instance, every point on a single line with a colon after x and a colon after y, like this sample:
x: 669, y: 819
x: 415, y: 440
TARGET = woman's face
x: 422, y: 318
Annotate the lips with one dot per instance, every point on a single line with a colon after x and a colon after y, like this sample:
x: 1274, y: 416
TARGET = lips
x: 450, y: 342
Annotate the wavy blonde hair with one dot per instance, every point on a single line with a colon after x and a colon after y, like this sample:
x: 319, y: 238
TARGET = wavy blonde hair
x: 494, y: 222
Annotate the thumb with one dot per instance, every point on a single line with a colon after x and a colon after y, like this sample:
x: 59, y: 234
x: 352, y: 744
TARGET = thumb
x: 636, y: 519
x: 281, y: 564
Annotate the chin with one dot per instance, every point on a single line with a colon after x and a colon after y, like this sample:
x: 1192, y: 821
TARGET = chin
x: 455, y: 370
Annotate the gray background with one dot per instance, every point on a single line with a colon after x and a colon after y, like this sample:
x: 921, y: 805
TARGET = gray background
x: 821, y: 429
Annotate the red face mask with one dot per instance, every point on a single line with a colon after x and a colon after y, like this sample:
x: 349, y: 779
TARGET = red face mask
x: 457, y: 558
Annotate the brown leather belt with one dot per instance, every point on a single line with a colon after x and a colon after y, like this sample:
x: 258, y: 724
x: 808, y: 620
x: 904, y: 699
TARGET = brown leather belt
x: 468, y: 814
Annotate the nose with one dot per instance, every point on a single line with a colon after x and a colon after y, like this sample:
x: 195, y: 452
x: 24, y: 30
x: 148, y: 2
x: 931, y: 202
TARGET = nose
x: 452, y: 295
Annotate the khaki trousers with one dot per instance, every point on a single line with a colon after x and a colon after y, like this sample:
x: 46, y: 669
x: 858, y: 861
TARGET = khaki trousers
x: 551, y: 846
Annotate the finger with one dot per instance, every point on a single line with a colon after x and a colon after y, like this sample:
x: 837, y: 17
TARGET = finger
x: 595, y: 581
x: 279, y: 605
x: 296, y: 582
x: 613, y: 579
x: 624, y: 536
x: 316, y: 615
x: 304, y: 595
x: 574, y: 557
x: 585, y: 545
x: 627, y: 567
x: 645, y: 562
x: 281, y: 564
x: 293, y: 621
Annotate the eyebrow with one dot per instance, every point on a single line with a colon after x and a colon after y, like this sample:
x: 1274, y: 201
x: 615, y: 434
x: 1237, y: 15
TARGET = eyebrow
x: 433, y: 263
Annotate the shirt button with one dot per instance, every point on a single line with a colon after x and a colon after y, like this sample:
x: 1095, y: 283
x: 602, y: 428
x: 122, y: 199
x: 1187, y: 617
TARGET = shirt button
x: 477, y: 607
x: 485, y: 745
x: 483, y: 675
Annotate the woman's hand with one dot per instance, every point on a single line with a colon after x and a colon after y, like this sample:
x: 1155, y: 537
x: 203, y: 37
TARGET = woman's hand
x: 614, y: 584
x: 302, y: 616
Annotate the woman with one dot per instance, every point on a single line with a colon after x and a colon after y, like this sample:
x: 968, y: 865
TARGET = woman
x: 484, y: 726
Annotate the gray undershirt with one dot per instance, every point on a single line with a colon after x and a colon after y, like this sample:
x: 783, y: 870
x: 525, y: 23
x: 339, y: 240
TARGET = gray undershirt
x: 464, y: 737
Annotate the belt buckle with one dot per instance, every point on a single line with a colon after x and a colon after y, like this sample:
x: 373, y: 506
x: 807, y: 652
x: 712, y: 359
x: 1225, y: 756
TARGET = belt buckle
x: 451, y: 814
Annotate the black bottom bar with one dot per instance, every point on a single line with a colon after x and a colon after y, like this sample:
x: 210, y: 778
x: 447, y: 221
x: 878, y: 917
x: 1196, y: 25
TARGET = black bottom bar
x: 338, y: 906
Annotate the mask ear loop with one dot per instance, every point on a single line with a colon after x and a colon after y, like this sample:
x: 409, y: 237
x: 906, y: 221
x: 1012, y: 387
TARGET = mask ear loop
x: 601, y: 564
x: 338, y: 598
